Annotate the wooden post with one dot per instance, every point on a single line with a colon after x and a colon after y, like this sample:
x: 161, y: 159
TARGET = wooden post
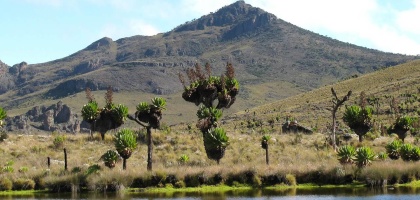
x: 48, y: 162
x: 65, y: 159
x: 267, y: 160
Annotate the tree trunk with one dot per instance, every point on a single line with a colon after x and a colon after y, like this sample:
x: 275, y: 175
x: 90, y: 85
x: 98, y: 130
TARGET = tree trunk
x: 149, y: 148
x: 266, y: 156
x: 103, y: 135
x: 360, y: 138
x: 333, y: 130
x: 124, y: 163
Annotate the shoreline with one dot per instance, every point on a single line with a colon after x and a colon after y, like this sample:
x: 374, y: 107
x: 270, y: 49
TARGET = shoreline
x: 208, y: 189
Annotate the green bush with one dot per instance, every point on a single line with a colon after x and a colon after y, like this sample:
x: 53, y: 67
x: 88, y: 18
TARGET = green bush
x: 346, y: 154
x: 5, y: 184
x: 415, y: 154
x: 364, y: 156
x: 382, y: 156
x: 59, y: 141
x: 183, y: 159
x: 110, y: 158
x: 393, y: 149
x: 23, y: 184
x: 406, y: 151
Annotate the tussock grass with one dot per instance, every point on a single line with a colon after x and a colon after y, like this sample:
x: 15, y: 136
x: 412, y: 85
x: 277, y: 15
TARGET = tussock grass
x: 295, y: 158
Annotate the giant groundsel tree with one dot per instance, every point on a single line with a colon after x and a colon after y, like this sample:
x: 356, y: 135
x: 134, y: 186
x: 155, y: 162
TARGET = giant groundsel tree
x: 103, y: 119
x: 149, y: 116
x: 203, y: 90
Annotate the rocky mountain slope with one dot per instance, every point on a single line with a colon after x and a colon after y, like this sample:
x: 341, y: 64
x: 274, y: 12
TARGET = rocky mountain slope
x: 263, y: 49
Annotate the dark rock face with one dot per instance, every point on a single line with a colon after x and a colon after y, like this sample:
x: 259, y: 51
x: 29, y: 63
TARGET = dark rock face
x: 57, y: 117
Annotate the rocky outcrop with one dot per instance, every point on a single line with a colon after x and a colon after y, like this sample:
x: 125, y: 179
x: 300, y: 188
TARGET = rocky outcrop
x: 57, y: 117
x: 243, y: 16
x: 294, y: 127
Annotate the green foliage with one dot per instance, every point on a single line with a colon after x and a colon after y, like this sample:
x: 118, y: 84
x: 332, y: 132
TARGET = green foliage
x: 404, y: 122
x: 355, y: 116
x: 216, y: 138
x: 125, y: 142
x: 23, y: 169
x: 117, y: 113
x: 110, y: 158
x: 183, y: 159
x: 346, y: 154
x: 90, y: 111
x: 415, y: 153
x: 213, y: 113
x: 382, y: 156
x: 159, y: 103
x: 393, y: 149
x: 121, y: 112
x: 59, y: 141
x: 264, y: 141
x: 3, y: 113
x: 143, y: 107
x: 364, y: 156
x: 215, y: 143
x: 93, y: 169
x: 8, y: 167
x: 406, y: 151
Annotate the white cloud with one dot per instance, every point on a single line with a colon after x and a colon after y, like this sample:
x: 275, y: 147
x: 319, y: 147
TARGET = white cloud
x: 353, y: 21
x: 408, y: 20
x: 139, y: 27
x: 127, y: 29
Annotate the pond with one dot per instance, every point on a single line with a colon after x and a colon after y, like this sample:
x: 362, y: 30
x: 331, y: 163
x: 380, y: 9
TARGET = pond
x: 257, y: 194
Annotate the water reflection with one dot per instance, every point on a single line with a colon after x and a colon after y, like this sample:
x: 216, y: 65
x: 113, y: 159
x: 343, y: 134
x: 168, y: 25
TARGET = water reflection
x: 320, y: 193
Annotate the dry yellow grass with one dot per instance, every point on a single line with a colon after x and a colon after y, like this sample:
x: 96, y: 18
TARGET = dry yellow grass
x: 289, y: 153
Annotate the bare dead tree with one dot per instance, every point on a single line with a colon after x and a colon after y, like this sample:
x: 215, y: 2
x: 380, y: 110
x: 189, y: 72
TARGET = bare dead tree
x: 336, y: 105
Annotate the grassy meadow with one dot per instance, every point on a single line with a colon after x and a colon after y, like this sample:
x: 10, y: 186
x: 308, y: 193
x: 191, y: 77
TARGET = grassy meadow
x: 295, y: 158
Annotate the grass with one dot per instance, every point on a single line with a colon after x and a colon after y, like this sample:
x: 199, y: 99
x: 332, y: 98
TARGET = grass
x: 308, y: 158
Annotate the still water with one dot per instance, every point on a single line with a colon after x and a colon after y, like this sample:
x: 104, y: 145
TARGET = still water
x: 264, y: 194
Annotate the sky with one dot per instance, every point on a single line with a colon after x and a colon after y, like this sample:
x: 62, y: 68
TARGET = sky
x: 37, y: 31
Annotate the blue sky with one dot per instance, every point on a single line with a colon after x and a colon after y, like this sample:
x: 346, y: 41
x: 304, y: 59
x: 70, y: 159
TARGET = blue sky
x: 37, y: 31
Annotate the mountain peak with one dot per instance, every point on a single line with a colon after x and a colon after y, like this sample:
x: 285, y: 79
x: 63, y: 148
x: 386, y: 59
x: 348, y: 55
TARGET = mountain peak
x: 103, y: 42
x: 233, y: 14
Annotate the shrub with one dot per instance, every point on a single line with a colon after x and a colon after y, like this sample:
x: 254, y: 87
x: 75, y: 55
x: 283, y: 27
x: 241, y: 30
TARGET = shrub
x: 5, y: 184
x: 346, y: 154
x: 393, y: 149
x: 110, y: 158
x: 415, y: 154
x: 291, y: 180
x: 183, y: 159
x: 3, y: 135
x: 59, y: 141
x: 24, y: 184
x: 405, y: 152
x: 179, y: 184
x: 382, y: 156
x: 8, y: 168
x: 364, y: 156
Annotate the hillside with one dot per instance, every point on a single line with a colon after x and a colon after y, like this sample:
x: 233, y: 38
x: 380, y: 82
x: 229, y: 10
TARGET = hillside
x: 313, y: 109
x: 273, y: 60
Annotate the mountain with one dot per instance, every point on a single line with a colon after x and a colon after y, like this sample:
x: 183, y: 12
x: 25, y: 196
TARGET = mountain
x: 273, y: 59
